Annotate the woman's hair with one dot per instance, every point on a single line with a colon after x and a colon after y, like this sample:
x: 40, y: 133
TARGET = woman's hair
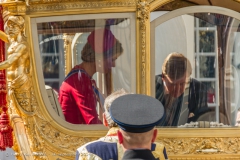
x: 88, y: 54
x: 176, y: 65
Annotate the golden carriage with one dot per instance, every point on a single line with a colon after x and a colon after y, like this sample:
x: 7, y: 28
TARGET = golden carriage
x: 55, y: 32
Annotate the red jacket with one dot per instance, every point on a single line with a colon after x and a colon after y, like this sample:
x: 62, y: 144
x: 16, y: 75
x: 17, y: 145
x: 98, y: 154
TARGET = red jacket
x: 78, y: 100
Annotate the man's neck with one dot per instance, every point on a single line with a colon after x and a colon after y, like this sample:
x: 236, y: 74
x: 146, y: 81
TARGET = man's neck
x: 132, y: 147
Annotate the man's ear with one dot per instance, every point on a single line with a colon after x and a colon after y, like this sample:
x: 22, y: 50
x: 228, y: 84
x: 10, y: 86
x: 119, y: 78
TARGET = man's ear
x: 154, y: 135
x: 105, y: 123
x: 120, y: 137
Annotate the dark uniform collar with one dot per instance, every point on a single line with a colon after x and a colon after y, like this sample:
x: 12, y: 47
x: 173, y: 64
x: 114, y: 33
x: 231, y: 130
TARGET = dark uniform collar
x: 139, y: 154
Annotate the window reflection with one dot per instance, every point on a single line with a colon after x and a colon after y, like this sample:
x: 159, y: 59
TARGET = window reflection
x: 50, y: 51
x: 206, y: 41
x: 207, y: 66
x: 203, y: 23
x: 214, y: 60
x: 211, y: 91
x: 84, y: 61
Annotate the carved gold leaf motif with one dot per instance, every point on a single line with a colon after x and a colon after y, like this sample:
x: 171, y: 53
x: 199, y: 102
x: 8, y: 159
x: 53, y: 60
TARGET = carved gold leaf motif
x: 143, y: 16
x: 183, y: 146
x: 59, y: 139
x: 73, y: 4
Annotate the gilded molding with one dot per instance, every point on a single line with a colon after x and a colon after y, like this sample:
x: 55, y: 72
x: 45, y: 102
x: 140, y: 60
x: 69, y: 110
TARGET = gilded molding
x: 35, y: 142
x: 67, y: 52
x: 151, y: 1
x: 158, y: 3
x: 58, y: 138
x: 143, y: 17
x: 94, y: 3
x: 22, y: 138
x: 176, y: 4
x: 17, y: 8
x: 201, y: 146
x: 72, y: 4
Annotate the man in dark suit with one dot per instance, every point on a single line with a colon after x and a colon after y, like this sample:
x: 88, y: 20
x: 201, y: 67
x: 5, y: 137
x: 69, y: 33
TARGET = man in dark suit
x: 137, y: 115
x: 183, y: 98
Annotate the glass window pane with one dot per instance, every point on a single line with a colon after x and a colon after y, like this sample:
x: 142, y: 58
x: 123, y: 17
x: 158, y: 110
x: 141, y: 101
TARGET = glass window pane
x: 211, y: 91
x: 207, y: 66
x: 209, y: 116
x: 50, y: 65
x: 53, y: 85
x: 195, y: 41
x: 85, y: 60
x: 203, y: 23
x: 206, y: 41
x: 215, y: 75
x: 48, y: 43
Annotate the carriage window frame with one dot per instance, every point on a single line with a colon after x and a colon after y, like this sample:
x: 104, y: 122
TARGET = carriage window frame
x: 185, y: 11
x: 39, y: 72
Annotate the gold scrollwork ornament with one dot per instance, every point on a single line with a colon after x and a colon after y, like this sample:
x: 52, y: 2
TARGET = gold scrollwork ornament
x: 143, y: 13
x: 184, y: 146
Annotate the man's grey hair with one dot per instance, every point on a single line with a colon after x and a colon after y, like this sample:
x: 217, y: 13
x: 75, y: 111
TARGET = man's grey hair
x: 108, y: 103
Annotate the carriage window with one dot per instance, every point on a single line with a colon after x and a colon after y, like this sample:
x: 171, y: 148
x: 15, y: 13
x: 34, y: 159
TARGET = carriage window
x: 197, y: 68
x: 85, y: 60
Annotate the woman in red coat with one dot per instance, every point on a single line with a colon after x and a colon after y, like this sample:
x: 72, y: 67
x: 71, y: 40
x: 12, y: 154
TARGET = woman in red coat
x: 78, y: 94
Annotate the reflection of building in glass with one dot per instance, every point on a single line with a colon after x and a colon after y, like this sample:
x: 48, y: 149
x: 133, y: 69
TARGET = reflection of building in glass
x: 52, y: 55
x: 206, y: 60
x: 215, y: 49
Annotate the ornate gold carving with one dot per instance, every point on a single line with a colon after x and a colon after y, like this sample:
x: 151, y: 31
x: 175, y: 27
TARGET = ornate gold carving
x: 185, y: 146
x: 94, y: 3
x: 65, y: 145
x: 143, y: 16
x: 22, y: 138
x: 151, y: 1
x: 73, y: 4
x: 68, y: 52
x: 34, y: 138
x: 21, y: 8
x: 20, y: 90
x: 58, y: 138
x: 176, y: 4
x: 15, y: 8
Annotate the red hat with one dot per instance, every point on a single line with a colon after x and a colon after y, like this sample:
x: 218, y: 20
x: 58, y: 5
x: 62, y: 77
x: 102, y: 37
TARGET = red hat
x: 105, y: 40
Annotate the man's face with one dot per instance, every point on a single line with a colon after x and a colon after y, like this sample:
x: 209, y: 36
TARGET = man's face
x: 174, y: 87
